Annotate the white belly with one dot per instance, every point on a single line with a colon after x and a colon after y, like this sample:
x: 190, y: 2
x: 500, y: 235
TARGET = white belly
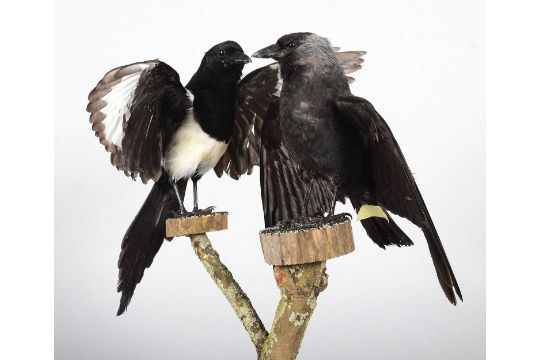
x: 192, y: 151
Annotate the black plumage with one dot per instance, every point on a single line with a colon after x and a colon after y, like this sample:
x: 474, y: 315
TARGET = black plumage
x: 321, y: 137
x: 144, y: 117
x: 257, y: 140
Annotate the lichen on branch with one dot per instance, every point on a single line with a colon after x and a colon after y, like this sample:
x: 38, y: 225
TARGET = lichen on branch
x: 299, y: 286
x: 230, y: 288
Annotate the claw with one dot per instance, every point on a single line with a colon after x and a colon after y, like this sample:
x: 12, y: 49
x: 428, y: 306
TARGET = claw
x: 333, y: 219
x: 198, y: 212
x: 206, y: 211
x: 317, y: 221
x: 178, y: 214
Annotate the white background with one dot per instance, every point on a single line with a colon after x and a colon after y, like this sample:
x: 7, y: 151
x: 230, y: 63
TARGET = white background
x: 424, y: 72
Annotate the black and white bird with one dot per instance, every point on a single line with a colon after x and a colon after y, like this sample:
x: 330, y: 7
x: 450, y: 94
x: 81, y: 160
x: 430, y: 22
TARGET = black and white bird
x: 320, y: 143
x: 145, y: 118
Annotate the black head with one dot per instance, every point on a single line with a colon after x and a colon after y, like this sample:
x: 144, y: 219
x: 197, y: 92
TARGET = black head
x: 298, y: 49
x: 222, y: 65
x: 286, y: 46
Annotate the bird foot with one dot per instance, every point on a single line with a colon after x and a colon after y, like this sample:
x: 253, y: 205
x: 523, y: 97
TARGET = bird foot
x: 296, y: 224
x: 195, y: 212
x: 179, y: 214
x: 198, y: 212
x: 307, y: 223
x: 334, y: 219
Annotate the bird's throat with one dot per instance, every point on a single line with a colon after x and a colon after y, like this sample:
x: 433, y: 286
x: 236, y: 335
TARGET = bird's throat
x: 215, y: 110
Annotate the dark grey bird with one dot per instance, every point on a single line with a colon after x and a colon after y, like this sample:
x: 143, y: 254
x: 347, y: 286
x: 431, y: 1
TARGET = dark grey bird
x: 146, y: 119
x: 257, y: 140
x: 320, y: 143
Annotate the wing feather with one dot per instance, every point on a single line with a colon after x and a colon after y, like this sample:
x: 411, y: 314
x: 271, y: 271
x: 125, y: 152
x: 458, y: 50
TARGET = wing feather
x: 394, y: 186
x: 133, y: 111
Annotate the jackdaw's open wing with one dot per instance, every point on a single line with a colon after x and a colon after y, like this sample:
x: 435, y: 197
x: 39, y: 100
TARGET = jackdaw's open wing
x: 134, y: 110
x: 394, y: 187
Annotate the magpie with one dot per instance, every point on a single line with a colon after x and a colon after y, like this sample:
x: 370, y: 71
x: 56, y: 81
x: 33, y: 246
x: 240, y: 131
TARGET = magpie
x: 155, y: 129
x: 320, y: 144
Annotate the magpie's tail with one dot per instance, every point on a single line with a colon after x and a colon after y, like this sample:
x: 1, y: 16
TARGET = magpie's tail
x: 383, y: 231
x: 145, y: 236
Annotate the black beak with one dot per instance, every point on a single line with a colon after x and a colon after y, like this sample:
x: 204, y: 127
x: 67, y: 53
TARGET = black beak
x: 242, y: 59
x: 271, y: 51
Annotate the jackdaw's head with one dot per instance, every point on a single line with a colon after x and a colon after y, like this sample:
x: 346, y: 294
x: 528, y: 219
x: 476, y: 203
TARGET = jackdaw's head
x: 300, y: 49
x: 222, y: 65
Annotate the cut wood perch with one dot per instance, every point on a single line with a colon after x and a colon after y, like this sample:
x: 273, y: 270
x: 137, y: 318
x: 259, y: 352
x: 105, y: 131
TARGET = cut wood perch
x: 306, y: 244
x: 197, y: 224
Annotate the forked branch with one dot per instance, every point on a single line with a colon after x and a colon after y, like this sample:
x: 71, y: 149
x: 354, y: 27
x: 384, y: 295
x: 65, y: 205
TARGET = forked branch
x: 299, y: 285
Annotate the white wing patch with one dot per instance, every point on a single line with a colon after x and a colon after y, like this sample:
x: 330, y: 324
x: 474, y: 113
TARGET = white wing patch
x: 110, y: 102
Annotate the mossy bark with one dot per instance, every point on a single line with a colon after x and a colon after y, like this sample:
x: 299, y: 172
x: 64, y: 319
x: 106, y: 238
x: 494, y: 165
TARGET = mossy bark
x: 299, y: 286
x: 230, y: 288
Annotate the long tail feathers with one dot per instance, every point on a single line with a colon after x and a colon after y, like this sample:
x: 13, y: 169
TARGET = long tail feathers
x: 144, y: 238
x: 385, y: 233
x: 445, y: 274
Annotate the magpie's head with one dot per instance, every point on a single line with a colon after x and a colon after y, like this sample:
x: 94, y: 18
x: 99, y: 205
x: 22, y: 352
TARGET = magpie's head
x: 300, y: 50
x: 221, y: 65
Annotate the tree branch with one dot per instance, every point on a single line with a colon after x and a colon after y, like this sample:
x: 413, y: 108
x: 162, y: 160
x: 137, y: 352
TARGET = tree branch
x: 230, y: 288
x: 299, y: 285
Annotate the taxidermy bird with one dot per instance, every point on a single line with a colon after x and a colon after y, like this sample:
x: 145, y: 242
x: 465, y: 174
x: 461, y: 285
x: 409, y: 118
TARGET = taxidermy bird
x: 320, y: 144
x: 145, y: 118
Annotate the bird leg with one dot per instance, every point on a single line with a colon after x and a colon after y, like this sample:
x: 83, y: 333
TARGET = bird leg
x: 196, y: 210
x: 333, y: 218
x: 195, y: 196
x: 307, y: 193
x: 304, y: 218
x: 182, y: 211
x: 305, y: 221
x: 336, y: 182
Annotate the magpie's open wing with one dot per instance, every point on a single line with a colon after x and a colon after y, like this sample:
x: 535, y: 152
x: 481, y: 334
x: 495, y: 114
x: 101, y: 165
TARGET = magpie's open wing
x: 134, y: 110
x: 258, y: 92
x: 393, y: 183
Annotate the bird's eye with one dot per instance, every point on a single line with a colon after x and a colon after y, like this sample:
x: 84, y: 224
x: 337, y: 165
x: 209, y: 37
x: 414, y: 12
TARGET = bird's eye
x: 222, y: 53
x: 291, y: 45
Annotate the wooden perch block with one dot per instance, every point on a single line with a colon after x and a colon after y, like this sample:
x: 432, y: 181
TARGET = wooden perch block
x: 199, y: 224
x: 301, y: 246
